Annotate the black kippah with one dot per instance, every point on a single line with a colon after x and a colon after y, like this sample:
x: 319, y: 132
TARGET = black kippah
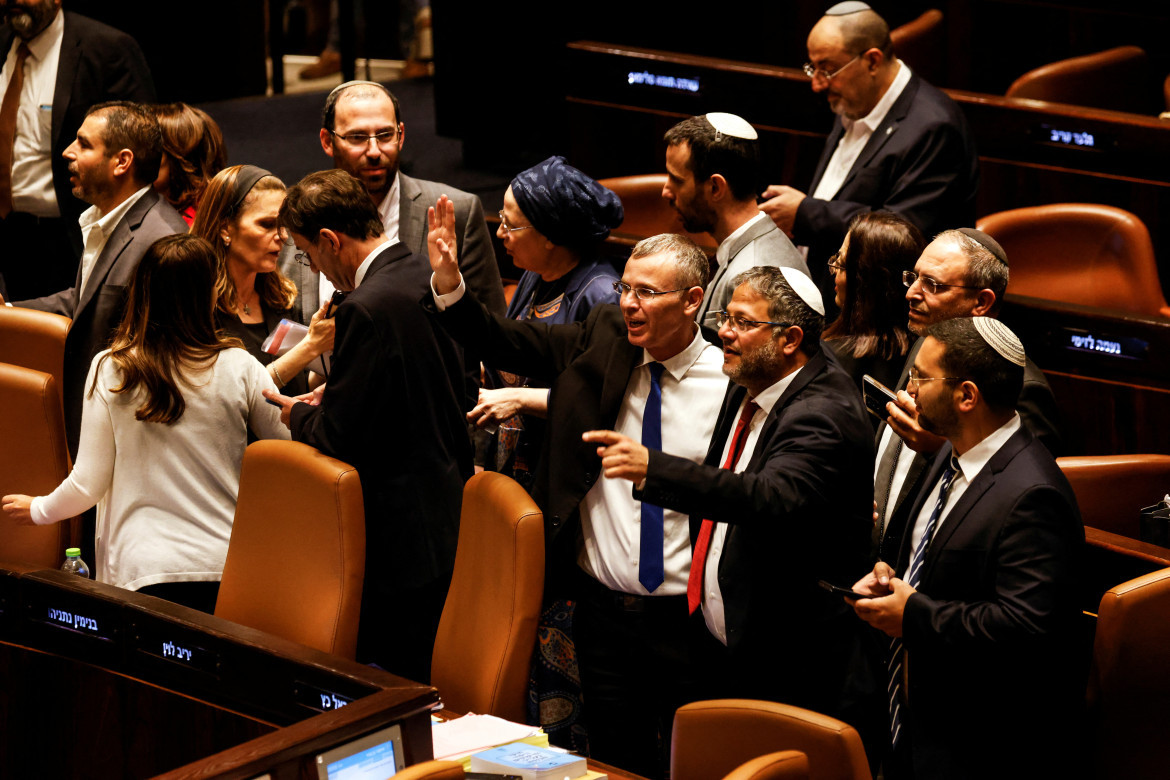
x: 987, y: 242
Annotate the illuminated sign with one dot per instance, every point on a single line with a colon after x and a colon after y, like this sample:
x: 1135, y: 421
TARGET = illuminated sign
x: 647, y: 78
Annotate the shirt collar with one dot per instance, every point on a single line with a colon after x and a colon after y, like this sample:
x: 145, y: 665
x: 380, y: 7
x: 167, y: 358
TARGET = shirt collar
x: 42, y: 44
x: 390, y: 198
x: 721, y: 253
x: 364, y: 268
x: 767, y: 399
x: 92, y: 216
x: 680, y: 364
x: 873, y: 120
x: 973, y: 460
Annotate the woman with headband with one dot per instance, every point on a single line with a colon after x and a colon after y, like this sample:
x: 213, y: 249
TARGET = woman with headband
x: 165, y: 421
x: 237, y: 216
x: 554, y: 221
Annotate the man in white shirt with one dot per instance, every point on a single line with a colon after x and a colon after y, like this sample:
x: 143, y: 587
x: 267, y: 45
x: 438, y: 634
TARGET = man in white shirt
x: 781, y: 501
x: 712, y: 174
x: 362, y: 130
x: 982, y: 598
x: 63, y: 63
x: 641, y: 368
x: 898, y: 144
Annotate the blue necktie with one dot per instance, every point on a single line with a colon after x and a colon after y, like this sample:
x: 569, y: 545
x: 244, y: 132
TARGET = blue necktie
x: 894, y: 686
x: 650, y: 567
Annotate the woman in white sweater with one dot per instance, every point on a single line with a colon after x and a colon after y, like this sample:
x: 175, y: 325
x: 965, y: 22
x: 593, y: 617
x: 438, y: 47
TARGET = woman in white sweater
x: 163, y: 432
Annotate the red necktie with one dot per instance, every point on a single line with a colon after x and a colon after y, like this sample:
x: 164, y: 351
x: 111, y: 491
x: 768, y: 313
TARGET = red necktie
x: 8, y: 128
x: 699, y: 559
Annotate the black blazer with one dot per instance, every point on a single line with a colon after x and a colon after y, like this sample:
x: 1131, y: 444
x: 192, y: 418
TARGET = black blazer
x: 96, y: 314
x: 992, y: 652
x: 391, y: 409
x: 97, y: 63
x: 800, y: 511
x: 920, y: 162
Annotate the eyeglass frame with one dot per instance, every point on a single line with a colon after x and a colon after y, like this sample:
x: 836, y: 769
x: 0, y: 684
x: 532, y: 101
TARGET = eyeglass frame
x: 834, y: 265
x: 932, y: 286
x: 812, y: 71
x: 508, y: 228
x: 395, y: 134
x: 916, y: 380
x: 722, y: 317
x: 642, y: 293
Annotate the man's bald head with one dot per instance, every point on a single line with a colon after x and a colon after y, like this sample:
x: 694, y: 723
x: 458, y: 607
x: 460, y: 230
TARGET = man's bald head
x: 863, y: 30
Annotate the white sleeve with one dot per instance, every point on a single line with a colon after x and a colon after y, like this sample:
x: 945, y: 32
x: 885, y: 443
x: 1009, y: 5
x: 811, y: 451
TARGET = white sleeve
x: 263, y: 417
x: 449, y: 299
x: 94, y: 469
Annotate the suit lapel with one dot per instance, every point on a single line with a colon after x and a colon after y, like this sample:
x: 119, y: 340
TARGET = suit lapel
x: 411, y: 228
x: 886, y: 130
x: 118, y: 241
x: 66, y: 71
x: 827, y: 153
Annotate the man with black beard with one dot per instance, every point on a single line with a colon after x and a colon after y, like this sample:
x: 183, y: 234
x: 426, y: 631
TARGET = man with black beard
x: 712, y: 176
x: 782, y: 500
x: 58, y: 64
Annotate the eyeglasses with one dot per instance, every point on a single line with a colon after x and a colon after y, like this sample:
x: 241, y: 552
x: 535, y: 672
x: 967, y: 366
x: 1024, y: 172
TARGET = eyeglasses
x: 835, y: 264
x: 508, y: 228
x: 930, y: 285
x: 302, y: 257
x: 642, y: 293
x: 812, y: 72
x: 742, y: 324
x: 383, y: 138
x: 917, y: 379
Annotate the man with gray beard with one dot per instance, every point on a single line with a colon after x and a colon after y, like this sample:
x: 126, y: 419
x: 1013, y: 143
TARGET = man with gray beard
x: 57, y: 65
x: 782, y: 500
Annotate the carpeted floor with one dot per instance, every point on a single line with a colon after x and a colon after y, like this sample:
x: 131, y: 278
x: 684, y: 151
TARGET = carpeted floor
x: 281, y: 134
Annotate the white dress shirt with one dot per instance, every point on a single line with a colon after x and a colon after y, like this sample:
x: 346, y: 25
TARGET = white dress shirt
x: 856, y: 136
x: 971, y: 463
x: 32, y: 172
x: 901, y: 470
x: 693, y: 385
x: 96, y: 228
x: 713, y: 614
x: 364, y: 268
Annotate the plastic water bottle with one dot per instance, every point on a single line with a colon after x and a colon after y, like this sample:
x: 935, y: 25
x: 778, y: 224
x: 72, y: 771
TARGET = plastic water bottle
x: 73, y: 563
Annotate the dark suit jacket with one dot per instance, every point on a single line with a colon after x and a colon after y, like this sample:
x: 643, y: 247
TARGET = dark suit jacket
x: 799, y: 512
x: 920, y: 163
x: 991, y: 640
x: 97, y: 63
x: 391, y: 410
x: 96, y: 314
x: 1038, y: 412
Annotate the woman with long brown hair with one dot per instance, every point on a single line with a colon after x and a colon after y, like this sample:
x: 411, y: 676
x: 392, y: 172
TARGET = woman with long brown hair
x: 237, y: 216
x: 193, y: 152
x: 163, y: 431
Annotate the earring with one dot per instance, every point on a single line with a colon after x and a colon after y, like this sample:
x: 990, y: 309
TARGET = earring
x: 227, y: 241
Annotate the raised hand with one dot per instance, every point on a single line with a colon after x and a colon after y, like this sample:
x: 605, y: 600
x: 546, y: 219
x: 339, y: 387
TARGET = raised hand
x: 442, y: 248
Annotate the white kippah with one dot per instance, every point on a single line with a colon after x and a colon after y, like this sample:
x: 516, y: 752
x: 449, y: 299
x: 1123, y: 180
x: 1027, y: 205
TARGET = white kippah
x: 732, y: 125
x: 846, y: 8
x: 805, y: 288
x: 1000, y: 338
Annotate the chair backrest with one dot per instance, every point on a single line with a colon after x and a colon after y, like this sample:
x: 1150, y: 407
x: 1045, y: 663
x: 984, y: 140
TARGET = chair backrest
x: 483, y: 650
x: 1110, y: 489
x: 1083, y: 253
x: 296, y: 559
x: 432, y: 770
x: 34, y: 459
x: 711, y: 738
x: 785, y: 765
x: 34, y: 339
x: 1129, y: 685
x: 1117, y: 79
x: 920, y: 43
x: 646, y: 212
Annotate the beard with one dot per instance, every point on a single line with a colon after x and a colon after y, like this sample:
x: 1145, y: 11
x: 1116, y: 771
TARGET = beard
x: 28, y: 21
x: 756, y: 366
x: 699, y: 218
x: 940, y: 422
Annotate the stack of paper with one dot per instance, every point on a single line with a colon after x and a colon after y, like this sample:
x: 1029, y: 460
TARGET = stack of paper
x: 529, y: 762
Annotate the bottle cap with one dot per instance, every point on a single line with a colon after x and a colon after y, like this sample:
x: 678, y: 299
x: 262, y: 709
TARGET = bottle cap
x: 73, y: 552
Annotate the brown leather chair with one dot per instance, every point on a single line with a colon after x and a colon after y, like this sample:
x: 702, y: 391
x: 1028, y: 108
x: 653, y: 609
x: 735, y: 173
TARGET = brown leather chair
x: 34, y: 459
x: 432, y: 770
x: 1083, y: 253
x: 785, y: 765
x: 296, y: 558
x: 483, y: 650
x: 34, y: 339
x: 920, y: 44
x: 1111, y: 488
x: 711, y: 738
x: 1129, y: 685
x: 1117, y: 79
x: 646, y: 212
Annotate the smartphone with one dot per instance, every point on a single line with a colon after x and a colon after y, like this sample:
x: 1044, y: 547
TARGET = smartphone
x: 839, y: 591
x: 876, y: 397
